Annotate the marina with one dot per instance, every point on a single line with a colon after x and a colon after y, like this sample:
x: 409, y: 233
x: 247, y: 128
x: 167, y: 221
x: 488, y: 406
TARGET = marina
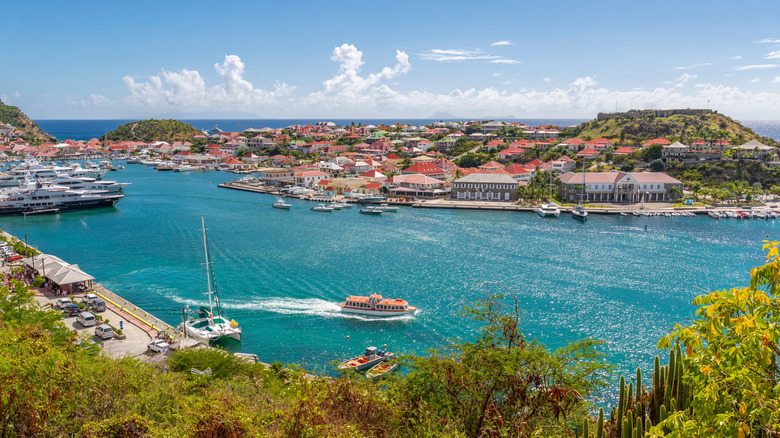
x: 279, y: 281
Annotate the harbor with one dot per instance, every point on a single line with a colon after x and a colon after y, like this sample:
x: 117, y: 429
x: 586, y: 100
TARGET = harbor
x: 284, y: 272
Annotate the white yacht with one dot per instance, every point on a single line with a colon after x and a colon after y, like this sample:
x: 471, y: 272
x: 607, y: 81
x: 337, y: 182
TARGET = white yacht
x: 88, y: 184
x: 45, y: 198
x: 210, y: 324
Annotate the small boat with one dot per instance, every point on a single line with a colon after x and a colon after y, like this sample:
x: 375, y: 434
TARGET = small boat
x: 280, y: 204
x: 387, y: 208
x: 383, y: 368
x: 371, y: 357
x: 184, y: 168
x: 714, y: 214
x: 337, y: 205
x: 322, y: 208
x: 342, y: 205
x: 579, y: 213
x: 371, y: 210
x: 368, y: 199
x: 549, y: 210
x: 210, y: 324
x: 375, y: 305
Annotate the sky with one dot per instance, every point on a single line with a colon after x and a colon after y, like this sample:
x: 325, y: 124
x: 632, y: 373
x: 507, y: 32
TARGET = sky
x: 401, y: 59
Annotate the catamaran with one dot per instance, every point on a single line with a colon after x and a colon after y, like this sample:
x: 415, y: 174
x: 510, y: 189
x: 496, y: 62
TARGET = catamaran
x: 551, y: 208
x: 210, y: 324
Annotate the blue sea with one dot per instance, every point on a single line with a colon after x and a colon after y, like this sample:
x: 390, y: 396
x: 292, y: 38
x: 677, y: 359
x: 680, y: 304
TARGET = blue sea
x: 282, y: 274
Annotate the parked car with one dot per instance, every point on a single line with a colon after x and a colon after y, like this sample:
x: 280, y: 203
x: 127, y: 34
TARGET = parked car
x: 13, y: 258
x: 90, y: 298
x: 71, y: 309
x: 62, y: 302
x: 104, y: 331
x: 86, y: 319
x: 158, y: 346
x: 98, y: 305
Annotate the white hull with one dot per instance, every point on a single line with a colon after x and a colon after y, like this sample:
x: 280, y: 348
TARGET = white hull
x: 380, y: 313
x: 209, y: 337
x: 548, y: 213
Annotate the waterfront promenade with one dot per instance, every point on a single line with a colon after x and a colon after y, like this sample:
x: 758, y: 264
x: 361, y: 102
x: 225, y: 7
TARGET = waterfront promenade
x: 458, y: 204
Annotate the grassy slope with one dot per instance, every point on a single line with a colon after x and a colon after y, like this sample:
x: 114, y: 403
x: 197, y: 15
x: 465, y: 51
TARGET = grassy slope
x: 154, y: 130
x: 679, y: 127
x: 15, y: 117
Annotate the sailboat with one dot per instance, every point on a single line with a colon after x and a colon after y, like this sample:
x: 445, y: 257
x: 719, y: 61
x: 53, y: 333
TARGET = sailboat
x: 210, y: 324
x: 578, y: 212
x: 551, y: 208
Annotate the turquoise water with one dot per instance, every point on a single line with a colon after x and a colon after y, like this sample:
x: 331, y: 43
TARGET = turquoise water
x: 282, y: 274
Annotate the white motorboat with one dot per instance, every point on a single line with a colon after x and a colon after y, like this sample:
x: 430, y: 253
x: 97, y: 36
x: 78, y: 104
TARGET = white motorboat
x: 280, y: 204
x: 210, y: 324
x: 387, y: 208
x: 322, y: 208
x: 371, y: 210
x: 184, y: 168
x: 375, y: 305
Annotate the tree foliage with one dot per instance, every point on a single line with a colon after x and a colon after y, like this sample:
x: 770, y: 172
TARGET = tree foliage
x: 731, y: 359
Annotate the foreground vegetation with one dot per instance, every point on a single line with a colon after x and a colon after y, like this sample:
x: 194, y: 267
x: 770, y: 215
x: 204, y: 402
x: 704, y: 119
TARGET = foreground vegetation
x: 721, y: 380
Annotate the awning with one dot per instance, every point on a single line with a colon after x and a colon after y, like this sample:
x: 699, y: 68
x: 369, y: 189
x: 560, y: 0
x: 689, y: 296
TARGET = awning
x: 57, y: 270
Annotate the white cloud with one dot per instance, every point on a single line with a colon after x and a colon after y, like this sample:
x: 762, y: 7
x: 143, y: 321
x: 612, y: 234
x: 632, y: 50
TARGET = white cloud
x: 507, y: 82
x: 690, y: 67
x: 767, y: 40
x: 776, y: 80
x: 583, y: 83
x: 737, y: 57
x: 502, y: 43
x: 351, y: 93
x: 504, y: 61
x: 755, y: 80
x: 755, y: 67
x: 186, y: 90
x: 455, y: 55
x: 773, y: 55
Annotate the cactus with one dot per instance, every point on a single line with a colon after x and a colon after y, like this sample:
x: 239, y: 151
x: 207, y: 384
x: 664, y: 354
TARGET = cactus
x: 600, y: 425
x: 626, y: 428
x: 585, y: 425
x: 638, y: 384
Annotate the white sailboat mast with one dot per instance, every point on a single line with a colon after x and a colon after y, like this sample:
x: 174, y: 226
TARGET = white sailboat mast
x: 208, y: 270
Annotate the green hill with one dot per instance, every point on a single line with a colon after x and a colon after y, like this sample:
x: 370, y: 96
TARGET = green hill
x: 153, y: 130
x: 638, y: 128
x: 15, y: 117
